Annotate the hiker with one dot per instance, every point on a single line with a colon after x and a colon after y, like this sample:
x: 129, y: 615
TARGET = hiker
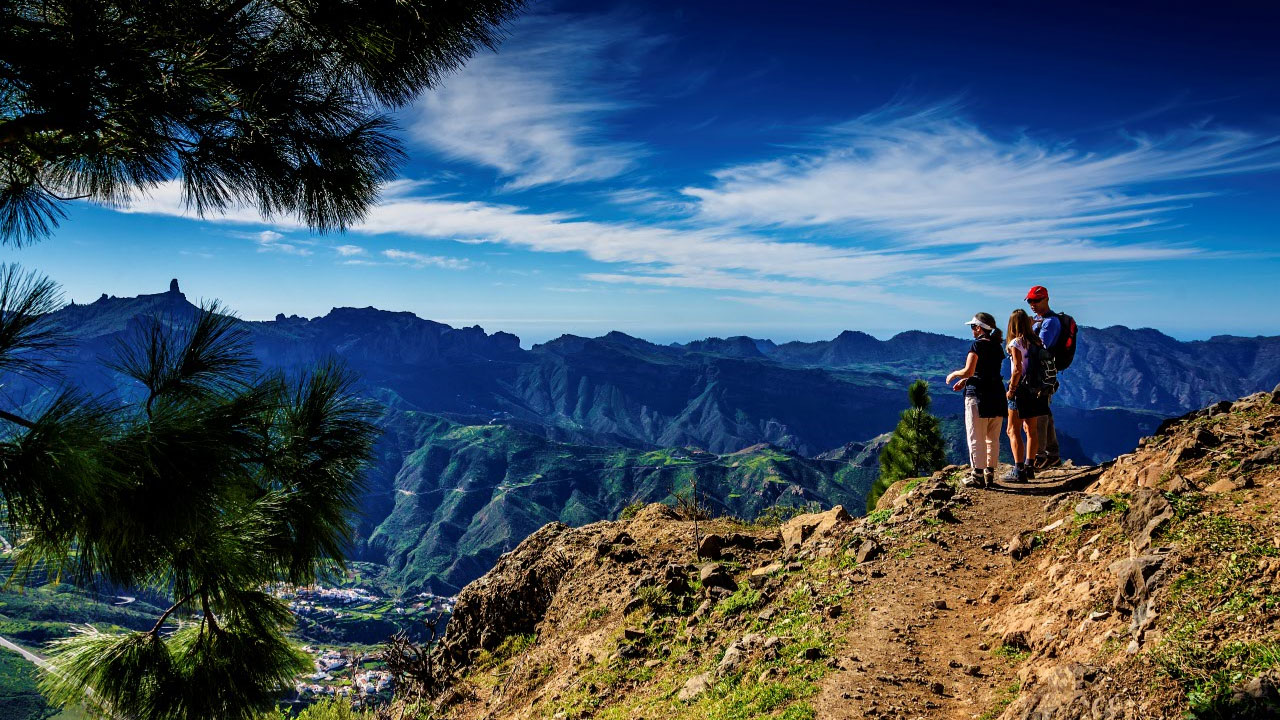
x: 1026, y: 403
x: 1049, y: 327
x: 984, y: 401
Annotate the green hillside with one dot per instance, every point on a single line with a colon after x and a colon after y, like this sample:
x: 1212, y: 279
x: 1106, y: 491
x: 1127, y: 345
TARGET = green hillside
x: 466, y: 493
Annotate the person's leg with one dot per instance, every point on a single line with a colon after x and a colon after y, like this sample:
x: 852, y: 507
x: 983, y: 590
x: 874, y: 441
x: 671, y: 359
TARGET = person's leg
x: 1033, y: 437
x: 1049, y: 437
x: 1033, y: 440
x: 972, y: 432
x: 1014, y: 431
x: 991, y: 441
x: 991, y: 449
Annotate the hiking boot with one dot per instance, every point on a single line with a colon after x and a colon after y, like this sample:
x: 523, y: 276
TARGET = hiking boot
x: 989, y: 477
x: 974, y: 479
x: 1044, y: 462
x: 1013, y: 476
x: 1031, y: 473
x: 1024, y: 474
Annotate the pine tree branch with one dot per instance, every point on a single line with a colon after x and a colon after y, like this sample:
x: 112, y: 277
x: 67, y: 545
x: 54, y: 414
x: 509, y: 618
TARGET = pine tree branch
x: 24, y: 126
x: 10, y: 417
x: 55, y: 195
x: 208, y: 612
x: 156, y: 629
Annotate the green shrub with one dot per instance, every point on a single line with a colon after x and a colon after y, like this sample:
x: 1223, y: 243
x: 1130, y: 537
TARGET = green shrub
x: 744, y: 599
x: 879, y: 516
x: 631, y: 510
x: 656, y: 598
x: 511, y: 646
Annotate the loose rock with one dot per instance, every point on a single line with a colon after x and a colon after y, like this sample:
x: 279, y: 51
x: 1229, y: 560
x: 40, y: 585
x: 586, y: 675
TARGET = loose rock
x: 694, y: 687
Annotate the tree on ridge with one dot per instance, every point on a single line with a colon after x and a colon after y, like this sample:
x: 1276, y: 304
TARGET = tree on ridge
x: 916, y: 447
x: 276, y: 104
x: 212, y: 482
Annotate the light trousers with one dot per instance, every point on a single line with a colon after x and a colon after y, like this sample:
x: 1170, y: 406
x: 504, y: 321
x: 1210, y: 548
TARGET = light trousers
x: 983, y: 435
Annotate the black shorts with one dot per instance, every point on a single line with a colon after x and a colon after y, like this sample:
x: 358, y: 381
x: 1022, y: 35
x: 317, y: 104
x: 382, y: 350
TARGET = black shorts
x: 1028, y: 405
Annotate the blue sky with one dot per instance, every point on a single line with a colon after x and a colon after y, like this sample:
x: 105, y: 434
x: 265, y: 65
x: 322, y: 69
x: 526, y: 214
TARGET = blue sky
x: 679, y: 170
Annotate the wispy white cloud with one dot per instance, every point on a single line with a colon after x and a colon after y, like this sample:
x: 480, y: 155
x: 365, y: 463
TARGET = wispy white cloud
x: 349, y: 250
x: 887, y: 205
x: 416, y: 259
x: 933, y: 178
x: 535, y: 111
x: 272, y: 241
x: 724, y: 259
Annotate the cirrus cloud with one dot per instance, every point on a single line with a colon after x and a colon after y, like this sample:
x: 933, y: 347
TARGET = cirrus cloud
x: 934, y: 178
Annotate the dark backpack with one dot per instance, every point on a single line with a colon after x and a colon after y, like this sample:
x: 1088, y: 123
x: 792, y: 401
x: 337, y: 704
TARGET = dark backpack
x: 1042, y: 371
x: 1064, y: 347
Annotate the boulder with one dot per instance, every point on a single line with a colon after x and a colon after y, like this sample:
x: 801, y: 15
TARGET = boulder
x: 800, y: 528
x: 1020, y: 545
x: 760, y: 576
x: 936, y: 490
x: 713, y: 575
x: 675, y: 580
x: 1178, y: 483
x: 1204, y: 438
x: 711, y: 546
x: 867, y: 551
x: 694, y: 687
x: 1093, y: 504
x: 1265, y: 687
x: 1266, y: 456
x: 737, y: 653
x: 1226, y: 485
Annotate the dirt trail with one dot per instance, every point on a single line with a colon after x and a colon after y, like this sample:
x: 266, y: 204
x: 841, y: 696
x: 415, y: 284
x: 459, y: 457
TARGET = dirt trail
x: 919, y: 651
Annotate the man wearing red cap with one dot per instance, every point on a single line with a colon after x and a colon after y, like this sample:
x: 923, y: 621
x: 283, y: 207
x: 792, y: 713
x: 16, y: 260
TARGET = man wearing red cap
x: 1048, y: 327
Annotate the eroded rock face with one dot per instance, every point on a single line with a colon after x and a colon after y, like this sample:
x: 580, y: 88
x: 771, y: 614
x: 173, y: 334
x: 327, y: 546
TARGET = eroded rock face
x: 512, y: 597
x: 1148, y: 512
x: 1073, y: 690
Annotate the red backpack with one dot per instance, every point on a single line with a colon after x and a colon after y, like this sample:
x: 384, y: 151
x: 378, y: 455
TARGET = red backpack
x: 1064, y: 347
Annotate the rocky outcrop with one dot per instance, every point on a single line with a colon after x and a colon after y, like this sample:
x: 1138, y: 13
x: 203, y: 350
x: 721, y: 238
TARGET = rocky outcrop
x: 1127, y: 591
x: 512, y: 598
x: 803, y: 527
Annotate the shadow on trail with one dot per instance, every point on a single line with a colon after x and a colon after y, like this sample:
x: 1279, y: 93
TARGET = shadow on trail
x: 1054, y: 482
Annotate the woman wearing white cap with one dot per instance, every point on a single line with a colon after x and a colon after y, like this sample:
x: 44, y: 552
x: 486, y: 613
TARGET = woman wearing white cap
x: 984, y: 398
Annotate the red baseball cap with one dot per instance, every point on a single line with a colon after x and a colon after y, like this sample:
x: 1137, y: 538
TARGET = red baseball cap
x: 1037, y: 292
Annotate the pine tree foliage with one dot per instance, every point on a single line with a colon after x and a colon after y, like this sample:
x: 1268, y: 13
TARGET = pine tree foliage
x: 213, y: 482
x: 916, y: 447
x: 278, y: 104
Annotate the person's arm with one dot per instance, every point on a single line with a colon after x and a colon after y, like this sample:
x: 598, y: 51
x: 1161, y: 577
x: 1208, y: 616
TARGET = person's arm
x: 1050, y: 327
x: 970, y: 367
x: 1015, y: 369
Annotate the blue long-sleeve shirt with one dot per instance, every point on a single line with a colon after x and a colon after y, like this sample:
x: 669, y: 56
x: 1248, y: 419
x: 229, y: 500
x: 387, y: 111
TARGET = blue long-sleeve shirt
x: 1048, y: 328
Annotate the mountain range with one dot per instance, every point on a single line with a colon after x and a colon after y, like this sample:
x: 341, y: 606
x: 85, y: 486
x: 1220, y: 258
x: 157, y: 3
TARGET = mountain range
x: 471, y: 417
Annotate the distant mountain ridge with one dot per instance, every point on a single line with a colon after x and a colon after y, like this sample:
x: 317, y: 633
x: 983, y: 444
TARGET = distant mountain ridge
x: 581, y: 394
